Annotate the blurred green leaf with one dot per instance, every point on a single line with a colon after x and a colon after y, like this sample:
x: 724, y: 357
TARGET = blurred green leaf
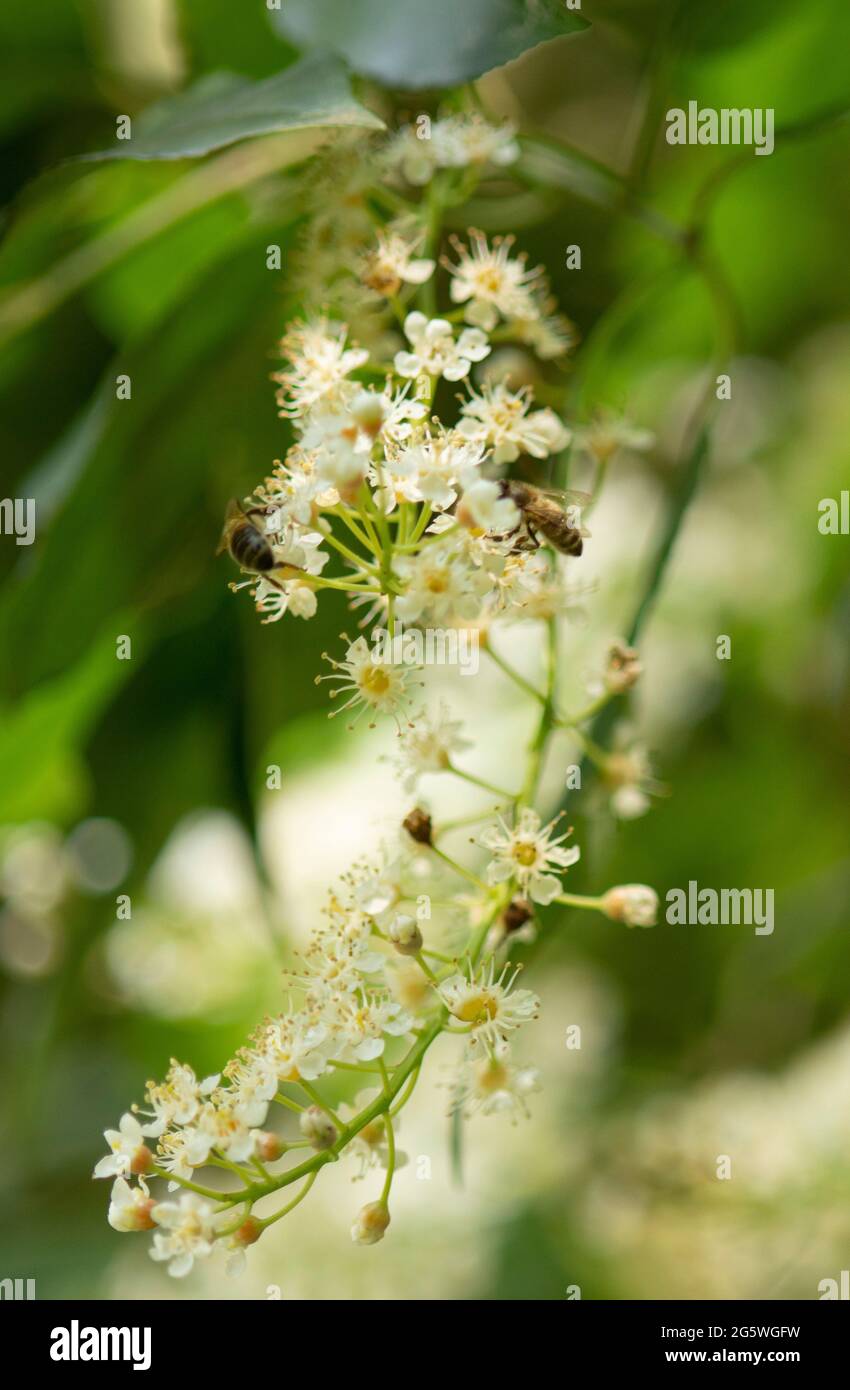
x: 222, y: 109
x: 415, y: 45
x: 41, y: 773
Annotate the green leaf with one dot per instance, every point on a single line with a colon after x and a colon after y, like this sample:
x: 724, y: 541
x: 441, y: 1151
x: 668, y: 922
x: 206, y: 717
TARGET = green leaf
x: 41, y: 771
x: 416, y: 44
x: 222, y: 109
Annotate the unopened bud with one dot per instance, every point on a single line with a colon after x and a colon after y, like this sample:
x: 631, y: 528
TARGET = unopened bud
x: 418, y: 826
x: 318, y: 1127
x: 633, y: 903
x: 267, y: 1146
x: 142, y: 1161
x: 623, y: 669
x: 370, y: 409
x: 248, y: 1232
x: 371, y: 1223
x: 405, y: 935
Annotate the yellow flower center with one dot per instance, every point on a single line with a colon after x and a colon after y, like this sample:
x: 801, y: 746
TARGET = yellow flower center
x: 437, y: 582
x: 525, y: 853
x: 491, y: 1077
x: 374, y: 681
x: 477, y: 1009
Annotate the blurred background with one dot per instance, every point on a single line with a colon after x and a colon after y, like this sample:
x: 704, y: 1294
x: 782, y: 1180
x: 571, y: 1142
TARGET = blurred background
x: 147, y: 777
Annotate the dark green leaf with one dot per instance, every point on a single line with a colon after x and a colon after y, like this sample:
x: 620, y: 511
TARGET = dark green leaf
x: 416, y: 44
x: 222, y: 109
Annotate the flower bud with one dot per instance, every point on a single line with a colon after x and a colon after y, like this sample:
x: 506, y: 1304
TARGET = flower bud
x: 633, y: 903
x: 318, y: 1127
x: 418, y: 826
x: 248, y: 1232
x: 623, y: 669
x: 267, y: 1146
x: 405, y: 935
x: 130, y: 1208
x: 371, y: 1223
x: 142, y: 1161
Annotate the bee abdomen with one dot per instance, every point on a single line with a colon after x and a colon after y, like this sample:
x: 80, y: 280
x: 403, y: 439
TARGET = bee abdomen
x: 251, y: 550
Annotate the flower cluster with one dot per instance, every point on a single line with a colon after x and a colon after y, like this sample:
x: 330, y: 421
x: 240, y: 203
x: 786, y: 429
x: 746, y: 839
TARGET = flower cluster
x: 395, y: 492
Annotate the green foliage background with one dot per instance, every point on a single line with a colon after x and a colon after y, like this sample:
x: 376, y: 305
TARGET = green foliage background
x: 130, y: 498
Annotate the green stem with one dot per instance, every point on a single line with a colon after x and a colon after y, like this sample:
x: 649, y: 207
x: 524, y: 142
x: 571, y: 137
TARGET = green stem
x: 479, y: 782
x: 513, y: 675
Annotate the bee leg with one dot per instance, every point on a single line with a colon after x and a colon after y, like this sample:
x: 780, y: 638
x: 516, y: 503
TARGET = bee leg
x: 533, y: 537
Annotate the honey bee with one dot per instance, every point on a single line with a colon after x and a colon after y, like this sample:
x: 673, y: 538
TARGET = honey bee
x: 245, y: 542
x: 248, y: 544
x: 542, y: 510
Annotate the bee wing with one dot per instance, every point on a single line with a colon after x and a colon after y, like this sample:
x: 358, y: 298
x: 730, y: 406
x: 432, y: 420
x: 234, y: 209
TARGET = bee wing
x: 232, y: 512
x: 567, y: 495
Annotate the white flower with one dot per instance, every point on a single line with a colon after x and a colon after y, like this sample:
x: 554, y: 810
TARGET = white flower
x: 341, y: 954
x: 455, y: 142
x: 485, y: 506
x: 130, y: 1153
x: 636, y: 904
x: 221, y: 1127
x: 550, y: 335
x: 359, y: 1023
x: 500, y: 418
x: 393, y: 262
x: 526, y: 853
x: 296, y: 1048
x: 338, y: 444
x: 470, y: 139
x: 439, y: 585
x: 373, y: 683
x: 428, y: 746
x: 435, y: 351
x: 130, y: 1207
x: 173, y: 1155
x: 493, y: 1085
x: 319, y: 363
x: 628, y: 772
x: 429, y: 469
x: 177, y: 1099
x: 290, y: 596
x: 295, y: 491
x: 188, y: 1232
x: 490, y: 283
x: 607, y: 434
x: 488, y: 1004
